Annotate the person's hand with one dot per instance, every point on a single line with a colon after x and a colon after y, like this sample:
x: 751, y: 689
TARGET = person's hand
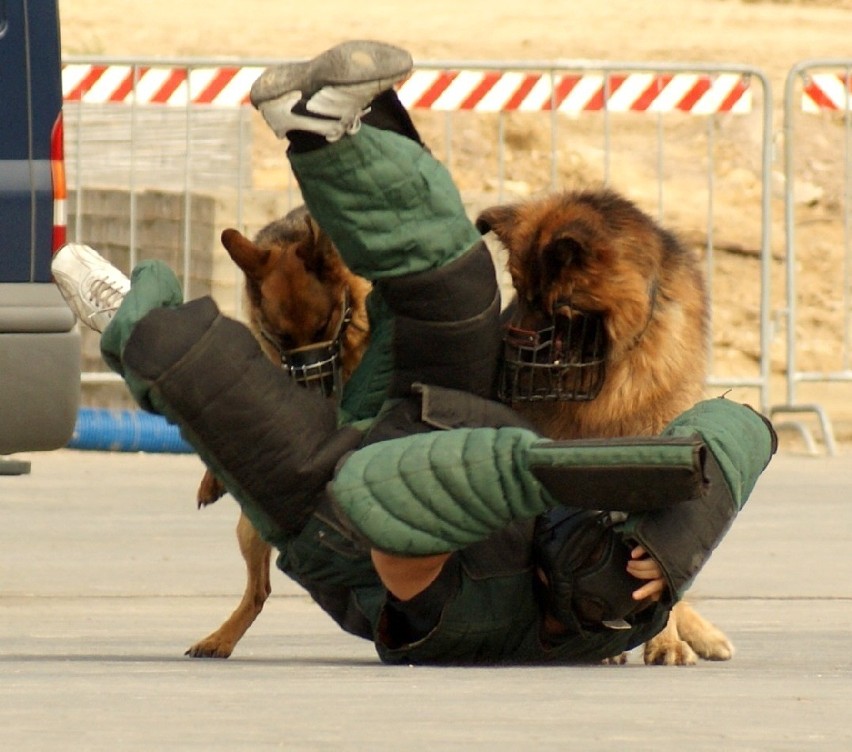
x: 643, y: 567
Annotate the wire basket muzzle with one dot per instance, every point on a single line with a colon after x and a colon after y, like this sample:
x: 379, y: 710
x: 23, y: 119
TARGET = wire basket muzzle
x: 565, y: 361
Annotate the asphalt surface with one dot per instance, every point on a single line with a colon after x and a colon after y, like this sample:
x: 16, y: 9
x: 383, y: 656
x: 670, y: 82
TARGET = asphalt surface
x: 108, y: 573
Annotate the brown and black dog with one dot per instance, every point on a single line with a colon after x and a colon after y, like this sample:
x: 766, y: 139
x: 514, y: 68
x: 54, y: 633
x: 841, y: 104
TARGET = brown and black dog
x: 596, y: 253
x: 296, y: 284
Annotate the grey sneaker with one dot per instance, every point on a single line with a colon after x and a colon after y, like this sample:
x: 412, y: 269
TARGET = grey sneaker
x: 329, y: 94
x: 92, y: 287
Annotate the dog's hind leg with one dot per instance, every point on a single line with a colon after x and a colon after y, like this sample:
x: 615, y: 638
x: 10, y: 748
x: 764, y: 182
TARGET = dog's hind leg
x: 704, y: 638
x: 257, y: 554
x: 667, y: 648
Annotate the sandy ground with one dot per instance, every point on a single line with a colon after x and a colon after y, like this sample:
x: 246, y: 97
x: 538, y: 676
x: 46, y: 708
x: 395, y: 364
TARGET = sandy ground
x: 767, y: 34
x: 771, y: 36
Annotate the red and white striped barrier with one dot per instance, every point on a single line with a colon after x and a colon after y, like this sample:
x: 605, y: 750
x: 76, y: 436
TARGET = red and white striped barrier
x: 497, y: 91
x: 827, y: 91
x: 176, y: 87
x: 446, y: 91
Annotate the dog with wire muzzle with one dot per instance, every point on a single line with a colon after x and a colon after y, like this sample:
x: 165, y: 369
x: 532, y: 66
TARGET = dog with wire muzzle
x: 607, y: 338
x: 308, y: 312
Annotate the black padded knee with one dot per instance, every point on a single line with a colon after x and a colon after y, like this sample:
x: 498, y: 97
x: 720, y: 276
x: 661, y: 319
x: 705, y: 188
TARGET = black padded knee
x: 447, y: 330
x: 272, y: 442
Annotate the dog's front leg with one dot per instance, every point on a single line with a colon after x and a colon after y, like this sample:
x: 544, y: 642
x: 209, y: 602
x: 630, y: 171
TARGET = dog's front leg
x: 257, y: 554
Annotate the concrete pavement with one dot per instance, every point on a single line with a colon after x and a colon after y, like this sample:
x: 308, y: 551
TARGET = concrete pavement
x: 108, y: 573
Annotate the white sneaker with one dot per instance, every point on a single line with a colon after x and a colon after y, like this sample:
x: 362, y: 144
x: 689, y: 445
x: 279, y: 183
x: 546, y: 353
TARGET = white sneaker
x: 92, y: 287
x: 329, y: 94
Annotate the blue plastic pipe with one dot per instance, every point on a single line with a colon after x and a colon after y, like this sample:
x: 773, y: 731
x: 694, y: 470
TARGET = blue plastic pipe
x: 105, y: 430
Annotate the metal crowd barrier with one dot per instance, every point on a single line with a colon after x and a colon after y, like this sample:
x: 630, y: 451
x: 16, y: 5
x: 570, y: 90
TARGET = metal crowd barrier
x: 613, y: 100
x: 818, y: 89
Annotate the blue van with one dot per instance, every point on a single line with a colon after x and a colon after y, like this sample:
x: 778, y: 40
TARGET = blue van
x: 39, y: 341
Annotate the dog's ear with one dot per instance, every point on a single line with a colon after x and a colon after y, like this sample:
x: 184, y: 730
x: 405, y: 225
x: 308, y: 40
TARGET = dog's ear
x: 246, y: 255
x: 499, y: 219
x: 563, y: 252
x: 316, y: 251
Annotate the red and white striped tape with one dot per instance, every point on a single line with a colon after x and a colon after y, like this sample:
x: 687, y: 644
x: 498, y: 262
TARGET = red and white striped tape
x: 177, y: 87
x: 446, y: 91
x: 497, y: 91
x: 827, y: 91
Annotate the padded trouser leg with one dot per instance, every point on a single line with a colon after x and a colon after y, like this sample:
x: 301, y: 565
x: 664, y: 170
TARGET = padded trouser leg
x: 272, y: 442
x: 396, y: 217
x: 389, y: 207
x: 152, y: 285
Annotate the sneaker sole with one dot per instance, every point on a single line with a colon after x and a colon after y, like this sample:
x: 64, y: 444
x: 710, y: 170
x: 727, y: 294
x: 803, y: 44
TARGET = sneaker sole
x: 354, y: 62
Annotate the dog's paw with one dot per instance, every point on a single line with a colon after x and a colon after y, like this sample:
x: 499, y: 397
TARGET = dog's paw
x: 210, y: 648
x: 664, y: 651
x: 718, y: 649
x: 616, y: 660
x: 209, y: 490
x: 709, y: 642
x: 704, y: 637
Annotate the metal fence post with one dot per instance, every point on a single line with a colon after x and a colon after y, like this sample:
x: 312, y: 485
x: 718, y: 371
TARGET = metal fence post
x: 820, y: 93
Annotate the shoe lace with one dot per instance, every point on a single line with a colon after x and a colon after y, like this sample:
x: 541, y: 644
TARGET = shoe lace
x: 107, y: 292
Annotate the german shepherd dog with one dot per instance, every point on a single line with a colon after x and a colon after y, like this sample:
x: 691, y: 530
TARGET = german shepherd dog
x: 298, y: 289
x: 593, y: 261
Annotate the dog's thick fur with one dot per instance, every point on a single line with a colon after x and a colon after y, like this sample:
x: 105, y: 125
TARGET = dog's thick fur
x: 295, y: 286
x: 593, y: 248
x: 600, y: 253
